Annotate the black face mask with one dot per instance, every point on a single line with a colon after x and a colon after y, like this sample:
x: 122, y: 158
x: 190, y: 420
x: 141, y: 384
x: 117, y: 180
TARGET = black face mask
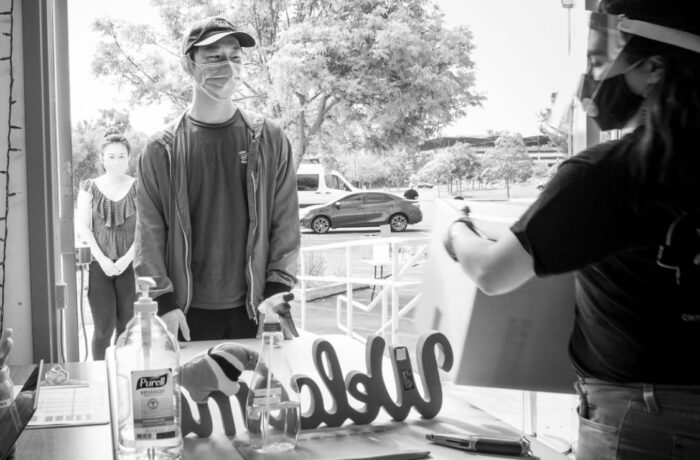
x: 611, y: 102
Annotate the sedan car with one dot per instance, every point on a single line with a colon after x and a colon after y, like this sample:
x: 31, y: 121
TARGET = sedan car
x: 362, y: 209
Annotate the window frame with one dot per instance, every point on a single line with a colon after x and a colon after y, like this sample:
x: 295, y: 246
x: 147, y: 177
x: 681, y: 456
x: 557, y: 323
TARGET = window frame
x: 48, y: 149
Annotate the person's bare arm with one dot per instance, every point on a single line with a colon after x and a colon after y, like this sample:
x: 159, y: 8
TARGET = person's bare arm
x: 85, y: 232
x: 497, y: 267
x: 175, y: 321
x: 125, y: 260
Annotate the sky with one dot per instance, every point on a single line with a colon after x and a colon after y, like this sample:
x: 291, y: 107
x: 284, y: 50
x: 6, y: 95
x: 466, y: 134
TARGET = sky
x: 521, y: 48
x: 88, y: 92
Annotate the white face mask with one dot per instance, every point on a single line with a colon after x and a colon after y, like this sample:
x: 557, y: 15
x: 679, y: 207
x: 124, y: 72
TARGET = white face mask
x: 115, y: 163
x: 219, y: 80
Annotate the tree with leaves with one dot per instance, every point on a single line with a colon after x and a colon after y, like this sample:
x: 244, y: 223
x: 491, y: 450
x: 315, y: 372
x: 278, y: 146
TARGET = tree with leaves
x: 364, y: 168
x: 399, y: 164
x: 438, y: 170
x: 508, y: 160
x: 465, y: 164
x: 389, y: 69
x: 455, y: 163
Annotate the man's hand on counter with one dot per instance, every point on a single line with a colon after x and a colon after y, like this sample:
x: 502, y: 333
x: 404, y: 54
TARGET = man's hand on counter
x: 175, y: 321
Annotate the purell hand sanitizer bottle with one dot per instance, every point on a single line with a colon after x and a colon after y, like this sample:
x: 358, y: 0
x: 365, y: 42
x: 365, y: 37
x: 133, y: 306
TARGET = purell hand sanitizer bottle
x: 147, y: 366
x: 273, y: 415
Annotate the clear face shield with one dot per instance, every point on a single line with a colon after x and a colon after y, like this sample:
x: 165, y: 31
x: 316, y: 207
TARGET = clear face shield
x: 596, y: 86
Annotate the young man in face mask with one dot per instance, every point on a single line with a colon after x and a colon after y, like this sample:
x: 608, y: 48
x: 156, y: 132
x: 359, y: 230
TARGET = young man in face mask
x: 218, y: 225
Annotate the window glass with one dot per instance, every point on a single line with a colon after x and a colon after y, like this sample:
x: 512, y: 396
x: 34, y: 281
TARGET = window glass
x: 336, y: 183
x: 375, y: 198
x: 352, y: 200
x: 307, y: 182
x: 332, y: 182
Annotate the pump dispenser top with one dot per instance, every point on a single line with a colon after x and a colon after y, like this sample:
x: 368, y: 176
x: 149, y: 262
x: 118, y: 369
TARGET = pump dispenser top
x: 269, y: 307
x: 145, y: 304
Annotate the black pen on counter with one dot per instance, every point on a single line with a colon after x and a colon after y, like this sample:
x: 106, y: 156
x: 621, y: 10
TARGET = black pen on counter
x: 483, y: 444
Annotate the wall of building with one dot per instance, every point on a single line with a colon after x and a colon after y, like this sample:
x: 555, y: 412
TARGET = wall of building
x: 14, y: 248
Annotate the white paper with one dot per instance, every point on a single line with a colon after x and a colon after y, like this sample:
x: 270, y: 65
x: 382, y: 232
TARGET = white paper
x: 71, y: 406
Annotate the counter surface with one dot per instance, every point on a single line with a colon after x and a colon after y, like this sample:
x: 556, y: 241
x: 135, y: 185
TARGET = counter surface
x: 382, y: 437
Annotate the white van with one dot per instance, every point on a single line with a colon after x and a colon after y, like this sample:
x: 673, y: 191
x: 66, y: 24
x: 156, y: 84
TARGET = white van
x: 315, y: 185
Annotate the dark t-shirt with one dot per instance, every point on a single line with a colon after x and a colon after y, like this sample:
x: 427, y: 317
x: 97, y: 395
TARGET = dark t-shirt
x: 637, y: 288
x: 218, y: 211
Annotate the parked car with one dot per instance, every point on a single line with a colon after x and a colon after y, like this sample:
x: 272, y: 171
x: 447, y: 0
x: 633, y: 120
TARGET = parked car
x: 362, y: 209
x: 425, y: 185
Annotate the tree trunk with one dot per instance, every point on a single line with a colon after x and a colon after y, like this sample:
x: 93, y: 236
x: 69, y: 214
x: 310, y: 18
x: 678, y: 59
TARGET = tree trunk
x: 507, y: 189
x: 305, y: 135
x: 300, y: 149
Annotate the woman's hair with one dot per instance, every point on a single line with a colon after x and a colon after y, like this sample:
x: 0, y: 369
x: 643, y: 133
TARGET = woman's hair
x: 669, y: 148
x: 115, y: 138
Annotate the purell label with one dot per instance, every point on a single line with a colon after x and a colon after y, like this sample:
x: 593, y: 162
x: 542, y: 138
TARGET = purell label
x: 152, y: 382
x: 154, y: 405
x: 5, y: 403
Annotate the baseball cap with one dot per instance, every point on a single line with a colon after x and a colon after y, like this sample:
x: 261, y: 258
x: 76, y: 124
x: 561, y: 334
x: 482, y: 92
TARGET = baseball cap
x: 209, y: 30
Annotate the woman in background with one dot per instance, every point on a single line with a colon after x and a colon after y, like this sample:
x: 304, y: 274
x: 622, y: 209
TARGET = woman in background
x: 107, y: 219
x: 624, y: 216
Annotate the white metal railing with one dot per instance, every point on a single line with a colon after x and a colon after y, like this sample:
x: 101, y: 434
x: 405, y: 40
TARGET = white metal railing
x: 390, y: 286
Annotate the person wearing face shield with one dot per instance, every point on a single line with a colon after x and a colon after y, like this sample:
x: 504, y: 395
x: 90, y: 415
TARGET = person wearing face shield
x: 218, y: 223
x: 624, y: 216
x: 106, y: 222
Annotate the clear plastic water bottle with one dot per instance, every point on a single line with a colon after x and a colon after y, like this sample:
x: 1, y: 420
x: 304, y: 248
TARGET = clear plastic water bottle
x: 147, y: 365
x: 273, y: 412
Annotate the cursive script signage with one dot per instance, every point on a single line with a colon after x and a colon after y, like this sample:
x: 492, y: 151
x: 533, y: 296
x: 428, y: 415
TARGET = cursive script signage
x: 369, y: 388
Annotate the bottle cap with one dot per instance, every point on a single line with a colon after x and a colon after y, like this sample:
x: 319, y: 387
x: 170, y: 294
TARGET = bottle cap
x: 145, y: 304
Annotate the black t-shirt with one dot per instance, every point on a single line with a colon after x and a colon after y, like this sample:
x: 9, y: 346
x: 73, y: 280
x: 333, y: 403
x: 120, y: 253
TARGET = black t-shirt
x: 218, y: 211
x: 637, y: 278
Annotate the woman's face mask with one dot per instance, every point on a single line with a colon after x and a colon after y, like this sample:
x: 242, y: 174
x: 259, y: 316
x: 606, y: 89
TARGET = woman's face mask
x: 219, y: 80
x: 115, y: 159
x: 610, y: 102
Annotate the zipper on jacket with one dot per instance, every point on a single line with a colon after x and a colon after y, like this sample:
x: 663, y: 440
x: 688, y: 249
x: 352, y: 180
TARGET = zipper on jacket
x: 184, y: 234
x: 251, y: 288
